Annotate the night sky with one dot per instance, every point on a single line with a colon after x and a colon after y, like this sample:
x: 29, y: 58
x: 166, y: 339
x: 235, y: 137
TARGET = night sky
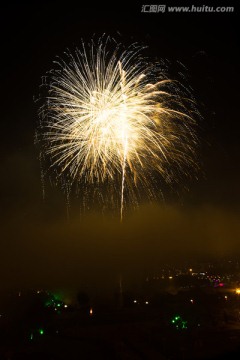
x: 40, y: 246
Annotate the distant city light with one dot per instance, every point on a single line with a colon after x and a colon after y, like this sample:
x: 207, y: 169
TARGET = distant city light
x: 192, y: 301
x: 170, y: 277
x: 91, y: 311
x: 237, y: 291
x: 135, y: 301
x: 146, y: 302
x: 175, y: 319
x: 190, y: 270
x: 65, y: 306
x: 179, y: 323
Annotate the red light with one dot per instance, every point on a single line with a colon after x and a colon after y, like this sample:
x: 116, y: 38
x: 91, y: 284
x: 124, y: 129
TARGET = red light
x: 221, y: 284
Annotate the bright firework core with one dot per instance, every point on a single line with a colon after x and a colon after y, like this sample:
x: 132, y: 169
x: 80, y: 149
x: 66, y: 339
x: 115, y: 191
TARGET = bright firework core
x: 111, y: 116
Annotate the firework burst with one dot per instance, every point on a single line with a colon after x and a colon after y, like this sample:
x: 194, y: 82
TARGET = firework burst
x: 112, y: 117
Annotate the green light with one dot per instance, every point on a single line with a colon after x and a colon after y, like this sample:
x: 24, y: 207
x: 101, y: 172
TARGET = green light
x: 179, y: 322
x: 41, y: 331
x: 31, y: 336
x: 184, y: 324
x: 58, y: 305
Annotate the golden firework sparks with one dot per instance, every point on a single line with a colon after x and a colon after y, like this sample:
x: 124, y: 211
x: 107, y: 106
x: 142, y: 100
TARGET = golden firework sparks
x: 110, y: 116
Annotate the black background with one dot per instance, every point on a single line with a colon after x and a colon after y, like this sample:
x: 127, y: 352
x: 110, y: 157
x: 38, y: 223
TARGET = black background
x: 32, y: 35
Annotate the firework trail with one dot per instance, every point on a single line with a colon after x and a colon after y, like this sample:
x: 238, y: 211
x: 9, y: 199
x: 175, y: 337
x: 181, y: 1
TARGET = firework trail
x: 112, y: 117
